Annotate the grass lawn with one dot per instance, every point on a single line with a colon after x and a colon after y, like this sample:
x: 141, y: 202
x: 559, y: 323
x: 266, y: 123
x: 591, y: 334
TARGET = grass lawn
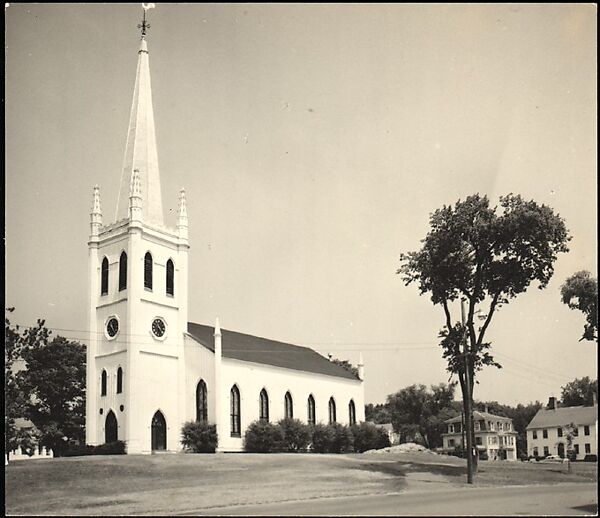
x: 171, y: 483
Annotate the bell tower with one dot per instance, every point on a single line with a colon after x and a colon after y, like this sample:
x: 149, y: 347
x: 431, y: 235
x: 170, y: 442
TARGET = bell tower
x: 137, y: 297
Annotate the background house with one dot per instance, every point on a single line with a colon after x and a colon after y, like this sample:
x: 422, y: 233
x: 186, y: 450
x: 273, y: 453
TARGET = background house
x: 546, y: 431
x: 494, y: 436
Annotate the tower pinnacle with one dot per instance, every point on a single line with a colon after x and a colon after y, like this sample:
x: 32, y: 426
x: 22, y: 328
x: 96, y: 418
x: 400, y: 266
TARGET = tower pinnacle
x: 96, y: 214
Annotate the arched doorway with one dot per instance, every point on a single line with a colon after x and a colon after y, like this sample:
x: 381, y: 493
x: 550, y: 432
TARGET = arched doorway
x: 561, y: 450
x: 159, y: 432
x: 111, y: 433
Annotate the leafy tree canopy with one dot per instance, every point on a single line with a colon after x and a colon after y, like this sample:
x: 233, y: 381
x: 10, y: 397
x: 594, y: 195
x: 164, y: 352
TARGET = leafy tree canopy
x: 474, y: 253
x: 420, y: 412
x: 580, y: 291
x: 378, y: 414
x: 579, y: 392
x: 49, y: 385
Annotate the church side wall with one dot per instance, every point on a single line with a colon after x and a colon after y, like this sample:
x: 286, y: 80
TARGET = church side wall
x: 199, y: 365
x: 251, y: 378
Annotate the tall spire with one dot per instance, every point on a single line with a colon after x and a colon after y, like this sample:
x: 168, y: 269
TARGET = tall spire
x: 140, y: 150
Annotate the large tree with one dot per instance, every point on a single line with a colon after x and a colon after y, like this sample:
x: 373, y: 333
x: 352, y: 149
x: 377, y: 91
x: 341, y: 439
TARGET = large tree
x: 13, y: 393
x: 484, y: 258
x: 419, y: 414
x: 580, y: 291
x: 378, y: 413
x: 54, y: 380
x: 579, y: 392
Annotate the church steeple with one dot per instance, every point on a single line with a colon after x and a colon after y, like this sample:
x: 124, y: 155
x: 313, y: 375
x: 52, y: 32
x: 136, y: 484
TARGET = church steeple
x: 140, y: 151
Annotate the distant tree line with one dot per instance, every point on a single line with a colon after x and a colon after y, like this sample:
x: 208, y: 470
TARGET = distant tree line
x: 419, y: 413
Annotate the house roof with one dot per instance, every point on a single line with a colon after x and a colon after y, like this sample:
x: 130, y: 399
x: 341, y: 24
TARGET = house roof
x: 385, y: 426
x: 479, y: 416
x: 23, y: 423
x: 249, y: 348
x: 579, y: 415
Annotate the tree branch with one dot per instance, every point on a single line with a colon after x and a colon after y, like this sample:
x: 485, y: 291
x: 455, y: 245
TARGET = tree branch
x: 488, y: 319
x: 448, y: 317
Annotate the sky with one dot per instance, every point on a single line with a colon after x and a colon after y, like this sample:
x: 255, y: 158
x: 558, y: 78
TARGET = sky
x: 313, y: 141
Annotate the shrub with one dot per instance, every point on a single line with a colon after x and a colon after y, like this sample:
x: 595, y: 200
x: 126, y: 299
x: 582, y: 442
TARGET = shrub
x: 368, y: 437
x: 342, y: 438
x: 262, y: 437
x: 322, y: 438
x: 295, y: 435
x: 199, y: 437
x: 78, y: 450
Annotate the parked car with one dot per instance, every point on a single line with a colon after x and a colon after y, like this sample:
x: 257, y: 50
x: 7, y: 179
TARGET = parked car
x: 553, y: 458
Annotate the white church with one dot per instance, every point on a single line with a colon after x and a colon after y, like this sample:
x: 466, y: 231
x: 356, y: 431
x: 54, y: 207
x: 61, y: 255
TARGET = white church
x: 149, y: 370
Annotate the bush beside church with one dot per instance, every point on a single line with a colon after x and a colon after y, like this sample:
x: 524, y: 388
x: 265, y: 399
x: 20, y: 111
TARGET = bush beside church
x: 291, y: 435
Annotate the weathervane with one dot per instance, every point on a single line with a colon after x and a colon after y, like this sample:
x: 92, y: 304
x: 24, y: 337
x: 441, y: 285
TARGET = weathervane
x: 145, y: 25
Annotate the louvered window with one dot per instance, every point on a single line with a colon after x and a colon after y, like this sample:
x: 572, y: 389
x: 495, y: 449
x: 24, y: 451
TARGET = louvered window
x: 235, y: 411
x: 331, y: 410
x: 201, y: 404
x: 103, y: 383
x: 264, y: 405
x: 104, y: 279
x: 148, y: 271
x: 119, y: 380
x: 311, y: 410
x: 123, y: 271
x: 170, y: 277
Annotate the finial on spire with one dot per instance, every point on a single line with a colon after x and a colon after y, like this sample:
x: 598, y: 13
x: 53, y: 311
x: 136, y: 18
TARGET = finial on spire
x: 145, y: 25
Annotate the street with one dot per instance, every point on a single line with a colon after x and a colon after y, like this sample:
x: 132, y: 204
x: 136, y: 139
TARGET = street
x: 562, y: 499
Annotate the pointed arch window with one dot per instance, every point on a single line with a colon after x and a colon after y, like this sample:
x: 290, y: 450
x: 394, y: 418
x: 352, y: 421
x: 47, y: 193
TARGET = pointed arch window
x: 123, y: 271
x: 289, y: 406
x: 148, y: 271
x: 311, y: 410
x: 201, y: 402
x: 235, y: 411
x: 264, y: 406
x: 351, y: 413
x: 103, y: 383
x: 170, y: 278
x: 119, y: 380
x: 332, y: 410
x: 104, y: 277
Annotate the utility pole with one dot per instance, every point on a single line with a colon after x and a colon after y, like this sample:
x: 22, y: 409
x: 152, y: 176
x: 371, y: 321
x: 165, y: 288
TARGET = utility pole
x: 469, y: 402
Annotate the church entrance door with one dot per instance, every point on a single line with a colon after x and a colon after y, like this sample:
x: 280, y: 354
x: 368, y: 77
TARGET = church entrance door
x: 111, y: 433
x: 159, y: 432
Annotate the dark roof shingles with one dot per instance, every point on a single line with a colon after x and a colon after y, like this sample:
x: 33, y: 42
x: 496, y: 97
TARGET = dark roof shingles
x: 562, y: 416
x: 255, y: 349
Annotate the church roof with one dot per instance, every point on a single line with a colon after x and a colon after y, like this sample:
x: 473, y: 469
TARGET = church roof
x: 240, y: 346
x: 578, y: 415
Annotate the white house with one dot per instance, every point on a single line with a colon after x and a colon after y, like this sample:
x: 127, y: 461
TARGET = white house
x: 149, y: 370
x: 546, y: 431
x: 494, y: 435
